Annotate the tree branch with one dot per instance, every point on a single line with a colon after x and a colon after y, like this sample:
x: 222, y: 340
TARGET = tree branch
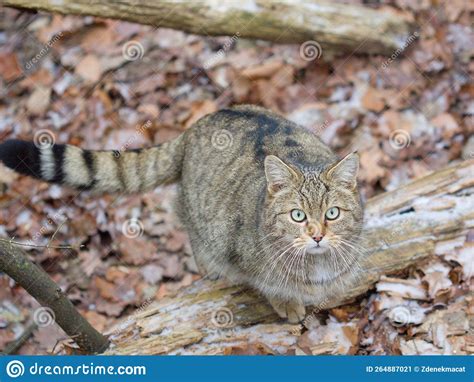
x: 337, y: 27
x: 14, y: 262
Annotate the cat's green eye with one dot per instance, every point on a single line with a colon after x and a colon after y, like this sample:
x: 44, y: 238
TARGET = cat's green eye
x: 332, y: 213
x: 298, y: 215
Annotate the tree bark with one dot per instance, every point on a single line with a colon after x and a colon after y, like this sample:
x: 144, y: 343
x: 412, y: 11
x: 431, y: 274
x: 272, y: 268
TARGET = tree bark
x: 336, y: 27
x: 426, y: 217
x: 14, y: 262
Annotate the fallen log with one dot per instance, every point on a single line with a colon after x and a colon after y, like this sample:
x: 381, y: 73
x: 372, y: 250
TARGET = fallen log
x: 336, y: 27
x: 426, y: 217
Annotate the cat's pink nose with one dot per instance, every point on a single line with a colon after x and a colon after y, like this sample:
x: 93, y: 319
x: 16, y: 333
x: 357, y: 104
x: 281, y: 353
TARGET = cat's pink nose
x: 318, y: 238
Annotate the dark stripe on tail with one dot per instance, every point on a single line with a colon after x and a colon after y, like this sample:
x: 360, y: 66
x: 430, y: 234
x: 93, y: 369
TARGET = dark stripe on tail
x: 120, y: 171
x: 89, y: 160
x: 58, y: 152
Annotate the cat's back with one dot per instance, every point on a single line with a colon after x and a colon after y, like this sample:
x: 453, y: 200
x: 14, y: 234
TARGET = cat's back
x: 223, y: 166
x: 246, y: 134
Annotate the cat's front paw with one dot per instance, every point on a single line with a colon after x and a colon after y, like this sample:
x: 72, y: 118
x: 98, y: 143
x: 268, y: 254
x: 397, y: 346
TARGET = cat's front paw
x: 294, y: 311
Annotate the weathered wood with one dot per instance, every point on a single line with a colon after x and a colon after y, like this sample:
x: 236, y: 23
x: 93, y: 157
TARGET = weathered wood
x: 338, y: 27
x: 426, y: 217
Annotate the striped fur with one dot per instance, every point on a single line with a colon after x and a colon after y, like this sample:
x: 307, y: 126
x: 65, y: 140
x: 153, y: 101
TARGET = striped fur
x: 242, y: 172
x: 99, y: 171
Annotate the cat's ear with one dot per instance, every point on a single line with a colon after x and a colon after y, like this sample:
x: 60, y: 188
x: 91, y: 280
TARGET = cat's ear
x: 345, y: 171
x: 279, y: 175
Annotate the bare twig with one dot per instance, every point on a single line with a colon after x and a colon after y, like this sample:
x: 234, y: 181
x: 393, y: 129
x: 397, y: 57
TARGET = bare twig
x: 47, y: 246
x: 13, y: 346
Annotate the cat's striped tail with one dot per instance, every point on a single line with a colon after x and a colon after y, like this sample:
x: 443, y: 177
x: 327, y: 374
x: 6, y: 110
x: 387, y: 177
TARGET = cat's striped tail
x: 127, y: 171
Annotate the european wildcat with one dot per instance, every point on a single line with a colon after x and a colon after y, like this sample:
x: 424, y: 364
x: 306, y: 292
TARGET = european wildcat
x: 264, y: 201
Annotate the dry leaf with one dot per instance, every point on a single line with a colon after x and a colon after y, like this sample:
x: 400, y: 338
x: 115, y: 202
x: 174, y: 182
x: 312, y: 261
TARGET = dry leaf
x: 411, y: 289
x: 89, y: 68
x: 38, y: 102
x: 9, y: 67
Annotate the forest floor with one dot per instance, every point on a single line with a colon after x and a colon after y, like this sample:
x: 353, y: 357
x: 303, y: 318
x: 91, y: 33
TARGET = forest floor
x: 104, y: 84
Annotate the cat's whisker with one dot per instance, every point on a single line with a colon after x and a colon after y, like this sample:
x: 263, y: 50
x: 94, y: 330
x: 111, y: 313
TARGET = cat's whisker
x: 302, y: 260
x: 289, y: 269
x: 347, y: 263
x: 268, y: 248
x: 259, y: 249
x: 341, y: 256
x: 353, y: 247
x: 335, y: 265
x: 292, y: 264
x: 354, y: 266
x: 264, y: 271
x: 353, y: 244
x: 351, y: 262
x: 285, y: 268
x: 275, y: 258
x: 273, y: 261
x: 357, y: 247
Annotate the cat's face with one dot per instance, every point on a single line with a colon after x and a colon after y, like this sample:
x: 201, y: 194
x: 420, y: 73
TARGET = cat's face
x: 317, y: 213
